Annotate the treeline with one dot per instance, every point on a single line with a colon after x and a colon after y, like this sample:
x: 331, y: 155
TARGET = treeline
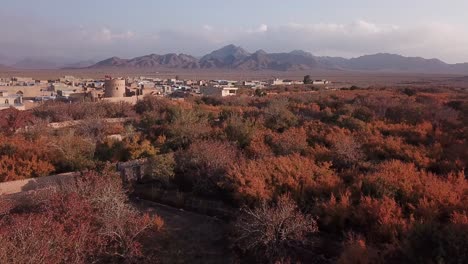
x: 355, y: 176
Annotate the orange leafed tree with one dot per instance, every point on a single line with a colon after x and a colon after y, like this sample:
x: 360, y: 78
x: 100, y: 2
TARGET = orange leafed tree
x: 267, y: 178
x: 21, y: 158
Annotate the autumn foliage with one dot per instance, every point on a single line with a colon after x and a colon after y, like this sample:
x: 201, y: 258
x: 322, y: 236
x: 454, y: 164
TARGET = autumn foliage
x: 89, y: 221
x: 373, y: 175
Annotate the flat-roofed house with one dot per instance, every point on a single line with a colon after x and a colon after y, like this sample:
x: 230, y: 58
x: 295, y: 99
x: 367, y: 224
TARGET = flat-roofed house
x: 8, y: 100
x: 218, y: 91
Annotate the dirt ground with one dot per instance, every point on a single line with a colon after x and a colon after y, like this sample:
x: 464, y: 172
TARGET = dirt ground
x: 189, y: 237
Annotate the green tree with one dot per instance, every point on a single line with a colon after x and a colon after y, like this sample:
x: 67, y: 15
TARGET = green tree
x: 307, y: 79
x: 161, y: 169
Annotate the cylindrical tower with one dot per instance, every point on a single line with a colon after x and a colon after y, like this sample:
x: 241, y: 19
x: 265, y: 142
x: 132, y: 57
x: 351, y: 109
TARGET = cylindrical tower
x: 114, y: 88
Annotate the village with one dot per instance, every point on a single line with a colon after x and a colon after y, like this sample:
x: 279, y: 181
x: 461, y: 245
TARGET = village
x: 25, y: 93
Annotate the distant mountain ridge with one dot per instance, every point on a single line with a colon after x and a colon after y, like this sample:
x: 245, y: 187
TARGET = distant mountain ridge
x: 171, y: 60
x: 226, y: 57
x: 236, y: 58
x: 233, y: 57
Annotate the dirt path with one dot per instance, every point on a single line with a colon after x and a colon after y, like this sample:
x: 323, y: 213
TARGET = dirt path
x: 189, y: 237
x: 32, y: 184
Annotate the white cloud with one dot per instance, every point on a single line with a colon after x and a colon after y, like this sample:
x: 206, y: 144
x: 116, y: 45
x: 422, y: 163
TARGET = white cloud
x: 367, y: 27
x: 106, y: 35
x: 262, y: 28
x: 448, y: 42
x: 208, y: 27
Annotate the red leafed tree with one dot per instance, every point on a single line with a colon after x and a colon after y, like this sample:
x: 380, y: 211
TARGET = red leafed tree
x: 12, y: 119
x: 382, y: 219
x: 87, y: 222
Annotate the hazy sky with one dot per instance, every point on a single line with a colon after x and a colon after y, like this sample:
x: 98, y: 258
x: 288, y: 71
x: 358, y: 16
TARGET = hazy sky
x: 96, y: 29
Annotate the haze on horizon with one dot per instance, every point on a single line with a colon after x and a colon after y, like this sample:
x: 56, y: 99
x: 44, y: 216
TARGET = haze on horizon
x: 69, y: 31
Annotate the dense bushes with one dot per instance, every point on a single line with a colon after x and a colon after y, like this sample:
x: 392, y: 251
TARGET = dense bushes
x: 161, y: 169
x: 21, y: 158
x: 12, y: 119
x: 435, y: 243
x: 239, y: 130
x: 90, y: 221
x: 59, y: 112
x: 382, y: 171
x: 278, y: 117
x: 266, y: 179
x: 129, y: 148
x: 203, y: 166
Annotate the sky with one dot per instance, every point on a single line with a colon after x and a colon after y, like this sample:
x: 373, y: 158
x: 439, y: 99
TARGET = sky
x: 97, y: 29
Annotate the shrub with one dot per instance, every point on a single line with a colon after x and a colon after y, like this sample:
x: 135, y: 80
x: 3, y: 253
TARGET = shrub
x: 21, y: 158
x: 161, y: 169
x: 184, y: 127
x: 239, y: 130
x: 409, y: 92
x: 356, y: 251
x: 405, y: 113
x: 293, y: 140
x: 435, y: 243
x: 430, y: 195
x: 130, y: 148
x: 90, y: 221
x: 12, y: 119
x: 381, y: 219
x: 151, y: 104
x: 346, y: 152
x: 396, y: 180
x: 72, y: 153
x: 271, y: 232
x: 278, y: 117
x: 336, y: 213
x: 202, y: 167
x: 364, y: 113
x: 265, y: 179
x: 258, y: 147
x: 95, y: 129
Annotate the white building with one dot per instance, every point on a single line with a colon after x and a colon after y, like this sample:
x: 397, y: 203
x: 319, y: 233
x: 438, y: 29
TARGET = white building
x: 320, y: 82
x: 165, y: 89
x: 255, y: 84
x: 218, y: 91
x: 285, y: 82
x: 11, y: 100
x: 278, y: 82
x: 66, y: 93
x: 67, y: 78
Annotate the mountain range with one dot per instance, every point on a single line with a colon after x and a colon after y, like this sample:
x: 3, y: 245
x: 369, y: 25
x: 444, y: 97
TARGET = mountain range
x: 233, y: 57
